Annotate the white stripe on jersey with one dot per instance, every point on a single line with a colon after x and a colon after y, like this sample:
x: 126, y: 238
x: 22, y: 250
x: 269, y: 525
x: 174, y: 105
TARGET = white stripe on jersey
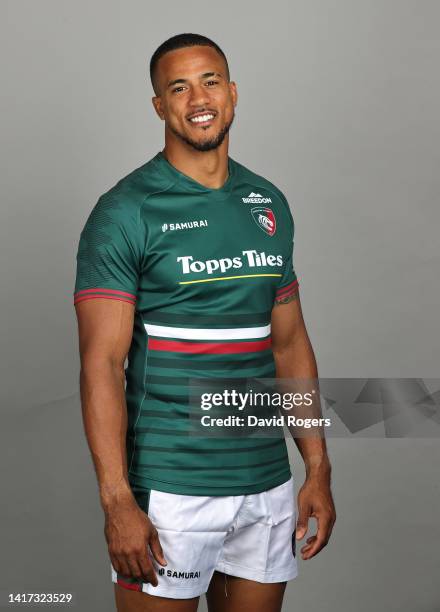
x: 189, y: 333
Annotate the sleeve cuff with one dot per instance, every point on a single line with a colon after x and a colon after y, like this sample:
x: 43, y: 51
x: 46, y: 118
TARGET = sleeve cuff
x: 99, y: 292
x: 287, y: 291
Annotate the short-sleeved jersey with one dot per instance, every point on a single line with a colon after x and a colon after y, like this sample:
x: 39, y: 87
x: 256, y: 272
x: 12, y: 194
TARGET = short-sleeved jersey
x: 202, y: 268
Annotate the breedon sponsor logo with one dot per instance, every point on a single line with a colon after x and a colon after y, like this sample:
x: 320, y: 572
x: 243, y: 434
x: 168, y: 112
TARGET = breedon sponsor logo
x: 256, y: 198
x: 251, y: 258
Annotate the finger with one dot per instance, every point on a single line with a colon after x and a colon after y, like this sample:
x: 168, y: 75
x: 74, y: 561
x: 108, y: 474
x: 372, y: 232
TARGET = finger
x: 147, y: 568
x: 120, y: 565
x: 309, y: 544
x: 302, y: 523
x: 135, y: 570
x: 311, y: 551
x: 115, y: 564
x: 156, y: 548
x: 321, y: 539
x: 331, y: 525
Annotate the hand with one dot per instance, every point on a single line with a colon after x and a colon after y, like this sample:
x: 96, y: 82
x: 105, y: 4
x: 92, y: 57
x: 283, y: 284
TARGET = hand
x: 128, y: 532
x: 315, y: 500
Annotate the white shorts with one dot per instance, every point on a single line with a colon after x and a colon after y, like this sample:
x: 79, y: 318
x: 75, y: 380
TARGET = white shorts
x: 250, y: 536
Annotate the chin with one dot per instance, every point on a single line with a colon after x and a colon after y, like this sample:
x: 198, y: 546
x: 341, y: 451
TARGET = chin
x: 205, y: 146
x: 207, y: 141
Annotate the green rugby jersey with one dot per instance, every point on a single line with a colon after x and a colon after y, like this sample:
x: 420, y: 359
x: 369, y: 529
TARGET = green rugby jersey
x: 202, y: 268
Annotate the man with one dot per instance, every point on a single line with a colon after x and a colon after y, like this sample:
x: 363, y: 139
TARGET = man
x: 185, y: 266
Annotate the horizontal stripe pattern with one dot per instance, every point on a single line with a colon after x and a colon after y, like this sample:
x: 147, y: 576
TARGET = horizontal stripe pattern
x: 184, y: 333
x: 215, y: 468
x: 174, y: 366
x: 219, y: 348
x: 103, y: 293
x: 164, y: 395
x: 218, y: 364
x: 200, y: 319
x: 288, y: 290
x: 236, y: 376
x: 196, y: 449
x: 208, y: 340
x: 187, y: 355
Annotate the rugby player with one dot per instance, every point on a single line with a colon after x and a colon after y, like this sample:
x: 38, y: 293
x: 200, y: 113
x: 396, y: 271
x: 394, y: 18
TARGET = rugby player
x: 185, y: 269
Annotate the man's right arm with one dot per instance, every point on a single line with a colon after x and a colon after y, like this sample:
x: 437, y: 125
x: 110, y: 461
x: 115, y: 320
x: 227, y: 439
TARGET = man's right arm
x: 105, y: 329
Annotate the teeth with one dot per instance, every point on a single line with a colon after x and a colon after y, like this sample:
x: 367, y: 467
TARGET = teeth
x: 201, y: 118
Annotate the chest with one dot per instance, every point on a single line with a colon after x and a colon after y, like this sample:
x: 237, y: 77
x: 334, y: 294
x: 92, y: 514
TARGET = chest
x: 194, y: 239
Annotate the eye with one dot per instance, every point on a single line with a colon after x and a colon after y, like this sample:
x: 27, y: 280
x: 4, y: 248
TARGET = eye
x: 212, y: 82
x: 176, y: 89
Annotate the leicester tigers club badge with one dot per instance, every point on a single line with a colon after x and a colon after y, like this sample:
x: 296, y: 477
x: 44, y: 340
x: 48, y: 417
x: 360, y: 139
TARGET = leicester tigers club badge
x: 265, y: 219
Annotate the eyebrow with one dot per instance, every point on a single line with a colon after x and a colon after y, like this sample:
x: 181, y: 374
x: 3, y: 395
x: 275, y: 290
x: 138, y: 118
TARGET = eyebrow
x: 205, y: 75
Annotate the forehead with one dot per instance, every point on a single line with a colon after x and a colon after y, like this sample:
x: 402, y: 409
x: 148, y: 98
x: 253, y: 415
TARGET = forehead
x: 189, y: 62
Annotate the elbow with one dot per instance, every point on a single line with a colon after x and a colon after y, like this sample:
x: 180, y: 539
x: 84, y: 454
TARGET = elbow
x: 93, y: 365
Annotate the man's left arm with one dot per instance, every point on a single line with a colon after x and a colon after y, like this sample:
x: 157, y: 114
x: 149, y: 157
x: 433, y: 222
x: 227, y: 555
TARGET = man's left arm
x: 294, y: 358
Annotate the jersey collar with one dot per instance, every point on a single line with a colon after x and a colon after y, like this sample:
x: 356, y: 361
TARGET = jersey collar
x: 192, y: 186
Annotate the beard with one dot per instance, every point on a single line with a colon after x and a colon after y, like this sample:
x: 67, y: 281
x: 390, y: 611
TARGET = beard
x: 209, y: 143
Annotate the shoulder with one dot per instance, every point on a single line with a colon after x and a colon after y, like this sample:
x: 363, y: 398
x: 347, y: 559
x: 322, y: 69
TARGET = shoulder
x: 123, y: 202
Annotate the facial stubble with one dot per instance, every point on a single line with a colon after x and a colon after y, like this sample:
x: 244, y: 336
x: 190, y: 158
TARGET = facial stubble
x: 205, y: 145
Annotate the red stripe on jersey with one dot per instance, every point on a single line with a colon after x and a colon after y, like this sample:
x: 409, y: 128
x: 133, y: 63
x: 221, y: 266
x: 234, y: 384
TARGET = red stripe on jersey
x: 135, y: 586
x: 287, y: 289
x: 175, y: 346
x: 103, y: 297
x: 102, y: 290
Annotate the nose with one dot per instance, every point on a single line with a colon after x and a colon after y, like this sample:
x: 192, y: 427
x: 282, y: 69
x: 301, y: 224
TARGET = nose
x: 199, y: 95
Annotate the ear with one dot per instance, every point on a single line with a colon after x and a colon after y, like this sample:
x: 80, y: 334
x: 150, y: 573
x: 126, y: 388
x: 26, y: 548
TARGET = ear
x: 234, y: 92
x: 157, y: 103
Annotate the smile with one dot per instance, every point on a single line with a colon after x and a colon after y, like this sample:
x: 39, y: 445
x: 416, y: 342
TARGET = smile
x: 206, y: 118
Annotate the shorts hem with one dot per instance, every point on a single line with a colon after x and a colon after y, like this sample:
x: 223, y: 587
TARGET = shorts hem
x: 240, y: 571
x: 173, y: 592
x: 161, y: 590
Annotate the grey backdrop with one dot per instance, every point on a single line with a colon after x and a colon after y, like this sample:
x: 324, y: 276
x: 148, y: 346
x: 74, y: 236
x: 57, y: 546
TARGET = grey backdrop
x: 338, y: 105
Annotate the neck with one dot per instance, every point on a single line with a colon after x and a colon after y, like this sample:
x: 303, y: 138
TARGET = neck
x: 209, y: 168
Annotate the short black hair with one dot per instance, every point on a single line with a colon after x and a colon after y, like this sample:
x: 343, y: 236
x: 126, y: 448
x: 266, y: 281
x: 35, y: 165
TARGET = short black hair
x: 178, y: 42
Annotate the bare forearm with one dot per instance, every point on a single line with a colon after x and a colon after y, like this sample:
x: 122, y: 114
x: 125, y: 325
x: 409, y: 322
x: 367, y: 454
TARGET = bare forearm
x: 298, y: 374
x: 297, y: 361
x: 105, y: 423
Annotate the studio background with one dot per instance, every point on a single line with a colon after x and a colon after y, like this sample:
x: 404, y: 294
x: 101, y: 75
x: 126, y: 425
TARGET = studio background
x: 338, y: 106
